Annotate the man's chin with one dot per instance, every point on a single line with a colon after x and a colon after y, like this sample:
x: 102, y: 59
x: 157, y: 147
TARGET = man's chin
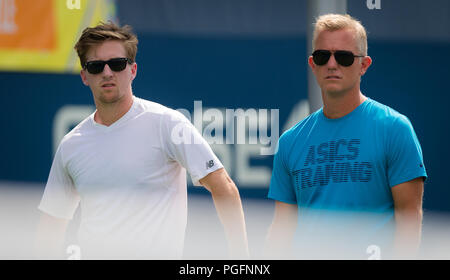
x: 334, y: 92
x: 108, y: 97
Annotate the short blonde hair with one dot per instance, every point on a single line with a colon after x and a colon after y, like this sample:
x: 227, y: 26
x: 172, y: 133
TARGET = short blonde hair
x: 333, y: 22
x: 93, y: 36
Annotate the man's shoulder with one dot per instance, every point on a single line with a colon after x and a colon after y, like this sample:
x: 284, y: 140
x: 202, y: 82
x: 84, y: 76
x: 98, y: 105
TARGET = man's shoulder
x: 156, y: 109
x: 302, y: 126
x: 386, y: 115
x: 152, y: 107
x: 82, y: 128
x: 76, y: 135
x: 299, y: 131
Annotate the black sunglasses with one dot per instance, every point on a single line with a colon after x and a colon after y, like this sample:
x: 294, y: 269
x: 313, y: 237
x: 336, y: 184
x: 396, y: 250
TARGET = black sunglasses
x: 344, y: 58
x: 116, y: 64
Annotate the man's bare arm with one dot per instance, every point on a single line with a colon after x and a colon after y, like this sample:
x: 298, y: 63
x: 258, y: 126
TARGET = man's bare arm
x: 229, y: 208
x: 50, y: 237
x: 408, y: 217
x: 281, y: 232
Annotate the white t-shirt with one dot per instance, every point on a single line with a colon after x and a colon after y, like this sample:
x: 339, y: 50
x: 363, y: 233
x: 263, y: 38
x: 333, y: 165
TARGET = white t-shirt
x: 130, y: 181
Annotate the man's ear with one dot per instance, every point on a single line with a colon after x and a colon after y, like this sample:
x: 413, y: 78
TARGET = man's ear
x: 83, y: 77
x: 365, y: 64
x: 311, y: 63
x: 133, y: 71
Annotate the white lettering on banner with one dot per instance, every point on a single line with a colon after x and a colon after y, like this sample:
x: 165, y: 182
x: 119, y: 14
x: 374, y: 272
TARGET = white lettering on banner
x: 66, y: 118
x: 7, y: 16
x: 298, y: 113
x: 251, y: 141
x: 246, y: 174
x: 226, y: 155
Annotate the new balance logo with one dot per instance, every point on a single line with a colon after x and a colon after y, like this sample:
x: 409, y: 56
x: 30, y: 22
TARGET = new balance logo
x: 209, y: 164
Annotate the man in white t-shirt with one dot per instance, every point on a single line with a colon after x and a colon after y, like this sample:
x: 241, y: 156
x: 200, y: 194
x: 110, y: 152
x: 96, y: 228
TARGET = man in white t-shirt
x: 125, y: 166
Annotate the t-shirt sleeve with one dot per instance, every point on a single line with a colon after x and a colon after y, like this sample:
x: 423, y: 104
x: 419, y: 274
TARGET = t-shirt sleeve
x: 281, y: 187
x: 404, y: 156
x: 60, y: 198
x: 186, y: 145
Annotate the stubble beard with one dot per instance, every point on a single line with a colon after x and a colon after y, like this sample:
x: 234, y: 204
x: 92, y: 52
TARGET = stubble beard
x: 339, y: 92
x: 109, y: 97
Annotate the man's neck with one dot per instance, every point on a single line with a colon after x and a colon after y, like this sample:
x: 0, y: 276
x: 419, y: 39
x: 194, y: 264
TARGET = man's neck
x: 338, y: 105
x: 109, y: 113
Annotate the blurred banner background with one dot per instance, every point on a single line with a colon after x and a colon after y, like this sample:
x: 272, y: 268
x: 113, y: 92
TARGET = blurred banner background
x: 226, y: 54
x: 39, y: 35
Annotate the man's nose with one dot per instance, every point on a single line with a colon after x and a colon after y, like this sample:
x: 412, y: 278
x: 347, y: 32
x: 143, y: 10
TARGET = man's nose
x: 332, y: 63
x: 107, y: 71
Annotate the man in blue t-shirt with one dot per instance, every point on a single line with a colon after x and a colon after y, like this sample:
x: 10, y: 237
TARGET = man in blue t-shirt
x: 347, y: 180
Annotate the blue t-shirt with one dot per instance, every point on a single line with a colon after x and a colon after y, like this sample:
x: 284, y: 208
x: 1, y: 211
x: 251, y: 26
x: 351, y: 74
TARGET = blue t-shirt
x: 343, y: 168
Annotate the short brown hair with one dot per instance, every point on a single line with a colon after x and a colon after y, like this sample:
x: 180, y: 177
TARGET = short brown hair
x: 93, y: 36
x: 333, y: 22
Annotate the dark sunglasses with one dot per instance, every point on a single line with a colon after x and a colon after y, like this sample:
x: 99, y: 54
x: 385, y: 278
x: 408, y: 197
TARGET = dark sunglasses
x: 116, y: 64
x: 344, y: 58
